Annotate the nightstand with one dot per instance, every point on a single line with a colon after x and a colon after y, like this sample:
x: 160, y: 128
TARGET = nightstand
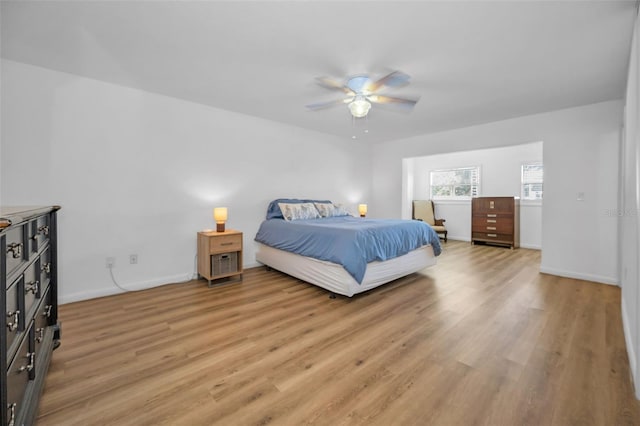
x: 220, y: 256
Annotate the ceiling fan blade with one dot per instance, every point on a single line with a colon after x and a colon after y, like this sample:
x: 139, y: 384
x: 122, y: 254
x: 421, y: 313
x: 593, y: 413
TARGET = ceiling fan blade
x: 394, y: 79
x: 324, y: 105
x: 329, y: 83
x: 382, y: 99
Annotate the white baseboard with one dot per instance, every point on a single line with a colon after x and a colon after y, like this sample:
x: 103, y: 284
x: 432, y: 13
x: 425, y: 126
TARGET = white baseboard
x: 631, y: 354
x: 135, y: 286
x: 113, y: 289
x: 530, y: 246
x: 580, y: 276
x: 466, y: 239
x: 458, y: 238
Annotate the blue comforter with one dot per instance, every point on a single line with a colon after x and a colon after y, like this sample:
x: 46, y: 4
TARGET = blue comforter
x: 348, y: 241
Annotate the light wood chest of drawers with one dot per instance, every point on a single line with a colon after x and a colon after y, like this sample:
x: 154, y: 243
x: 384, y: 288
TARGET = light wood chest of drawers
x: 496, y: 220
x: 28, y: 271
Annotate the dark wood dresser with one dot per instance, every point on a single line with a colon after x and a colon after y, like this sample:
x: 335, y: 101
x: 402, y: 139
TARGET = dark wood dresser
x: 496, y: 220
x: 28, y: 270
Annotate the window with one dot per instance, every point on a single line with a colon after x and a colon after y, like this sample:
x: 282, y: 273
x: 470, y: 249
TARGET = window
x: 462, y: 183
x: 532, y: 178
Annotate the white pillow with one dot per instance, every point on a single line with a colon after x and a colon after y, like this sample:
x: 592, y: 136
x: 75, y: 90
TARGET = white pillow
x: 340, y: 210
x: 298, y: 211
x: 331, y: 210
x: 325, y: 209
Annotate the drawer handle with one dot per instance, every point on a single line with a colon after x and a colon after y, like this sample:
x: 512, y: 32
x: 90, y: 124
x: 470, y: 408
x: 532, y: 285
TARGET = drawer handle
x: 47, y: 311
x: 15, y: 249
x: 492, y: 215
x: 31, y: 287
x: 40, y: 332
x: 491, y: 228
x: 31, y: 356
x: 46, y: 268
x: 12, y: 416
x: 491, y: 221
x: 44, y: 230
x: 226, y: 244
x: 492, y: 235
x: 16, y: 320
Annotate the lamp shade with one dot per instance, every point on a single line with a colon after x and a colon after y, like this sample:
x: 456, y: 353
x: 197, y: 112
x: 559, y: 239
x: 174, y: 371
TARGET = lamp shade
x: 220, y: 216
x: 362, y: 209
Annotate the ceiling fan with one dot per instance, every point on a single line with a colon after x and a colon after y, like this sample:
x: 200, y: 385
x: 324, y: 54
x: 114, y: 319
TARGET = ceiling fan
x: 361, y: 92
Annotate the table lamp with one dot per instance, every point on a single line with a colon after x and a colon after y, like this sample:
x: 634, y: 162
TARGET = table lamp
x: 220, y: 216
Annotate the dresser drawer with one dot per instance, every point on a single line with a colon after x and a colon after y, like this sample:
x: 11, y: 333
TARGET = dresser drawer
x: 14, y: 316
x: 500, y: 225
x: 31, y: 288
x: 494, y: 215
x: 492, y: 236
x: 44, y: 269
x: 225, y: 243
x: 39, y: 233
x: 18, y: 379
x: 493, y: 205
x: 41, y: 321
x: 16, y: 249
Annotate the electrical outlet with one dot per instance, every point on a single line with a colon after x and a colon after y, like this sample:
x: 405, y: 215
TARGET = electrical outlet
x: 111, y: 262
x: 133, y: 259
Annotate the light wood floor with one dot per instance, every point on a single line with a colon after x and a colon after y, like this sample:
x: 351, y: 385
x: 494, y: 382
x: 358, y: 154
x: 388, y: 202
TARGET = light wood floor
x: 481, y: 338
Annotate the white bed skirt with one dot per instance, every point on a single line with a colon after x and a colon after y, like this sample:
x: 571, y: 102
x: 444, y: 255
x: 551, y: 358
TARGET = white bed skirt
x: 335, y: 278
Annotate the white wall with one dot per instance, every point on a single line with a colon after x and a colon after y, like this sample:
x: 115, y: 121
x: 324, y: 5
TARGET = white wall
x: 139, y: 173
x: 581, y: 148
x: 629, y: 212
x: 500, y: 175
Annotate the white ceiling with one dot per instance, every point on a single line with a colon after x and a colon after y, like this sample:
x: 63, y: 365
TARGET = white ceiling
x: 470, y: 62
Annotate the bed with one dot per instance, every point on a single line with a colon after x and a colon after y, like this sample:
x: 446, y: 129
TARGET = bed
x: 321, y: 243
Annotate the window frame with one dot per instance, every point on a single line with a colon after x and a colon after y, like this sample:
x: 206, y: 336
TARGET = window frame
x: 523, y: 183
x: 477, y: 185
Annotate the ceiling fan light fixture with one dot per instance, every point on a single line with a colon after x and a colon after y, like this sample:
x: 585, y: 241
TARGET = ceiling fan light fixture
x: 359, y: 107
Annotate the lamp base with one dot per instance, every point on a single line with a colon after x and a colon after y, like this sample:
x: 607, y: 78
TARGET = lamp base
x: 219, y: 227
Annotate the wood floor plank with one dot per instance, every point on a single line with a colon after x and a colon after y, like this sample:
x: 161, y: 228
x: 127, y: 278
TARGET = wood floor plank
x: 480, y: 338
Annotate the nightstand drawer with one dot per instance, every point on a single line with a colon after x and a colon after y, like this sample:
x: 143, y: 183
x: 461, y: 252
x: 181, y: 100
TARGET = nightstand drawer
x: 225, y: 243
